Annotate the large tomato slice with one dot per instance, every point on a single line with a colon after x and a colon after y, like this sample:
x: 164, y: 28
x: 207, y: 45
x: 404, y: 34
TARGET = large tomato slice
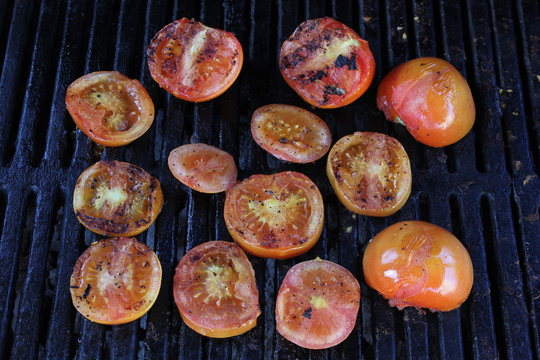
x: 370, y: 173
x: 202, y: 167
x: 115, y: 281
x: 327, y: 63
x: 277, y: 216
x: 194, y: 62
x: 215, y: 290
x: 110, y: 108
x: 290, y: 133
x: 317, y: 304
x: 117, y: 198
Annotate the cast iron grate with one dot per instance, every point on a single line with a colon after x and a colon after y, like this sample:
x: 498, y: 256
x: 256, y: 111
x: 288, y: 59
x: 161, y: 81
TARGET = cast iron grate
x: 485, y: 188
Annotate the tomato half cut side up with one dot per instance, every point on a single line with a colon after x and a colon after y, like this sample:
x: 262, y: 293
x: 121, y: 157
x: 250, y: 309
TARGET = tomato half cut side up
x: 110, y: 108
x: 276, y: 216
x: 194, y: 62
x: 203, y: 167
x: 215, y: 290
x: 115, y: 281
x: 317, y: 304
x: 116, y: 198
x: 290, y: 133
x: 327, y: 63
x: 370, y: 173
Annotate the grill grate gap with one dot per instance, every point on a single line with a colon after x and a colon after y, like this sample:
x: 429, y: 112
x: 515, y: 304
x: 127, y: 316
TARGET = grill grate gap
x: 6, y: 8
x: 3, y: 205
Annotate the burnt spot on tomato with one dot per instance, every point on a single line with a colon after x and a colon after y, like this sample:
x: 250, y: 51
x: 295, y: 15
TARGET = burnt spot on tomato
x: 307, y: 313
x: 87, y: 291
x: 333, y: 90
x: 317, y: 75
x: 342, y: 60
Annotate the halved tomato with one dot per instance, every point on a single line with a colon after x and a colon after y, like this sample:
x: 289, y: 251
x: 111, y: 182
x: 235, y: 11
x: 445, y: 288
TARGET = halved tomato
x: 215, y: 291
x: 202, y: 167
x: 115, y: 281
x: 276, y: 216
x: 290, y: 133
x: 370, y: 173
x: 110, y: 108
x: 317, y: 304
x: 327, y: 63
x: 116, y: 198
x: 194, y: 62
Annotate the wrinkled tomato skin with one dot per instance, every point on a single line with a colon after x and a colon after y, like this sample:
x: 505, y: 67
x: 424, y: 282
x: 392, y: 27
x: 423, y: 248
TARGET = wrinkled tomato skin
x: 431, y: 98
x: 327, y: 63
x: 415, y: 263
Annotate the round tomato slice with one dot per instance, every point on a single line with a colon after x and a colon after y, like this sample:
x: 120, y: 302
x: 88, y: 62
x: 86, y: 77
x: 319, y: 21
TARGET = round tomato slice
x: 370, y: 173
x: 215, y: 290
x: 277, y: 216
x: 194, y: 62
x: 116, y: 198
x: 327, y: 63
x: 110, y: 108
x: 115, y: 281
x: 317, y: 304
x: 202, y: 167
x: 290, y: 133
x: 415, y: 263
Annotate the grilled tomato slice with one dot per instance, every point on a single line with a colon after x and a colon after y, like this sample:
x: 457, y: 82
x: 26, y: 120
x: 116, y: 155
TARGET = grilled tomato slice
x: 110, y: 108
x: 370, y: 173
x: 194, y: 62
x: 115, y: 281
x: 116, y: 198
x: 431, y: 98
x: 290, y: 133
x: 215, y: 290
x: 327, y: 63
x: 415, y: 263
x: 275, y: 216
x: 202, y: 167
x: 317, y: 304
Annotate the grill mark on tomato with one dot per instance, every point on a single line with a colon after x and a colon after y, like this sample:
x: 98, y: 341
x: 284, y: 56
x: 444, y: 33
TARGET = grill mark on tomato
x: 102, y: 225
x: 342, y: 60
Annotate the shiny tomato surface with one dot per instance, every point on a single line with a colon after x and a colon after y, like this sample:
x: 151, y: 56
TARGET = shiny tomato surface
x: 431, y: 98
x: 415, y: 263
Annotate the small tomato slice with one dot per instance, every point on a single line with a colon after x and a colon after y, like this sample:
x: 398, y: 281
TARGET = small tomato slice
x: 277, y: 216
x: 290, y: 133
x: 370, y: 173
x: 415, y: 263
x: 203, y: 167
x: 115, y: 281
x: 194, y: 62
x: 431, y: 98
x: 327, y: 63
x: 215, y: 290
x: 317, y: 304
x: 110, y: 108
x: 116, y: 198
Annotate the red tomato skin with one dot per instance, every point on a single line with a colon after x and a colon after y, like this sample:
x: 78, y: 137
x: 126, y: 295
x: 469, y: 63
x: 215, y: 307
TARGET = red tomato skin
x: 337, y: 80
x: 431, y: 98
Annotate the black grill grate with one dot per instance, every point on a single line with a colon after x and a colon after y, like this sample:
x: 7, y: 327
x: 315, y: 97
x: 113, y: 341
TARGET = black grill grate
x: 485, y: 188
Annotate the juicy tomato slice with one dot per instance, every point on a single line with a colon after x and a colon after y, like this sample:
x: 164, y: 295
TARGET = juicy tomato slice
x: 431, y: 98
x: 327, y: 63
x: 116, y: 198
x: 276, y: 216
x: 110, y: 108
x: 415, y: 263
x: 370, y: 173
x: 215, y: 290
x: 290, y: 133
x: 202, y: 167
x: 115, y: 281
x: 194, y: 62
x: 317, y: 304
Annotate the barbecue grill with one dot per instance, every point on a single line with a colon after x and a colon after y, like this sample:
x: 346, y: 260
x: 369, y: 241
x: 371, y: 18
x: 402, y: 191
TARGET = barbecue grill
x: 484, y: 189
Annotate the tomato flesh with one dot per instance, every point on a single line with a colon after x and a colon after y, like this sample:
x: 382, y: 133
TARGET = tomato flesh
x: 277, y: 216
x: 215, y: 290
x: 317, y: 304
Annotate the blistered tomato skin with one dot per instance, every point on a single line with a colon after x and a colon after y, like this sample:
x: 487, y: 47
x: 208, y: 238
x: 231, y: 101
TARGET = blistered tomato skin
x: 415, y: 263
x: 431, y: 98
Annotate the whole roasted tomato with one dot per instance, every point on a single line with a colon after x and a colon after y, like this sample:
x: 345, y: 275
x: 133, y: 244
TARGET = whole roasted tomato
x: 431, y: 98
